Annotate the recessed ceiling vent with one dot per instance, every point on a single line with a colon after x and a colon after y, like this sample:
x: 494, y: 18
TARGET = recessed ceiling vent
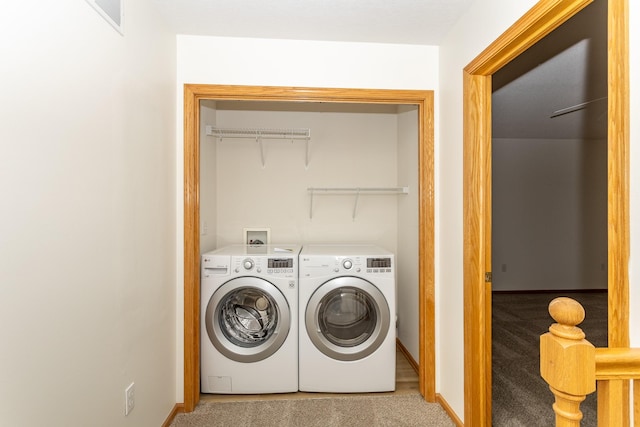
x: 111, y: 11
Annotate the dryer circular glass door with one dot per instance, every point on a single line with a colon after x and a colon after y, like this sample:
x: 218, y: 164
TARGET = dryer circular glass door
x: 247, y: 319
x: 347, y: 318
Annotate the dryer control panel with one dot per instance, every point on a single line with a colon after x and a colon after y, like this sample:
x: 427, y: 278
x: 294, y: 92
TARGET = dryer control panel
x: 318, y: 266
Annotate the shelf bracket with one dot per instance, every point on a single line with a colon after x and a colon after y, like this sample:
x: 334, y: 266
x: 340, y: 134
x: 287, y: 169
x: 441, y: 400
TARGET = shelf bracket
x: 357, y: 191
x: 355, y: 204
x: 259, y: 141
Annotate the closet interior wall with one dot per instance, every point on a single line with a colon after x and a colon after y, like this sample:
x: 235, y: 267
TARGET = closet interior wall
x: 352, y: 146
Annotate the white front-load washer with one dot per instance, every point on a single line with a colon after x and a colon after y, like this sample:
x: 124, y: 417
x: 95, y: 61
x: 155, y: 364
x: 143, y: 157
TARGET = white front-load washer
x: 347, y: 330
x: 249, y: 319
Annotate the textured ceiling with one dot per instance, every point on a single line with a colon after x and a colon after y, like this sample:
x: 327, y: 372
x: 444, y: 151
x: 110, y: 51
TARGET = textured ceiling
x: 566, y: 69
x: 379, y: 21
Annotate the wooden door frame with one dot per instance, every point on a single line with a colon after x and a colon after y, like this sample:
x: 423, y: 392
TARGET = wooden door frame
x: 424, y: 100
x: 543, y: 18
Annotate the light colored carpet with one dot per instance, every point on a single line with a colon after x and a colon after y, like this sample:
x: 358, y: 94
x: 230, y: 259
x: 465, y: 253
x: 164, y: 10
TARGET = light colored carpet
x: 352, y: 411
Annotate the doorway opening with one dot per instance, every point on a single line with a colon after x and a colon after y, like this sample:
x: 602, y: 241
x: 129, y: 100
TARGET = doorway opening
x: 549, y: 206
x: 531, y: 28
x: 423, y: 100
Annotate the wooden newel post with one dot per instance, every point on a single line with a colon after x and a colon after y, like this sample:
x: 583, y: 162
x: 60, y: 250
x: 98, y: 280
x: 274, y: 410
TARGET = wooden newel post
x: 567, y: 361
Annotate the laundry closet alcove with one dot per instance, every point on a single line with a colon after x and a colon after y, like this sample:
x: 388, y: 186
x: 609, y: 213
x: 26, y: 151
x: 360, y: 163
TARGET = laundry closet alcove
x: 199, y: 98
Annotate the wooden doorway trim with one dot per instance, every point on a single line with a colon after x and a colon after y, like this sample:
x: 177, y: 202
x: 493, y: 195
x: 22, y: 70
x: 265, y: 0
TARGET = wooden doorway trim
x: 543, y: 18
x: 424, y: 100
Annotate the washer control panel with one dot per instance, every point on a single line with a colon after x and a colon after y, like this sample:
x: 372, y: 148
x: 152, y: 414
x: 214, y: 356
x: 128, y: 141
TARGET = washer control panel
x: 248, y: 264
x: 379, y: 265
x: 215, y: 265
x: 272, y: 266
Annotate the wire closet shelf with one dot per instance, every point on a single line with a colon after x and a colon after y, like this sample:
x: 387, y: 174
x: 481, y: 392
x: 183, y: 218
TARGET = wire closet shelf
x: 353, y: 190
x: 293, y: 134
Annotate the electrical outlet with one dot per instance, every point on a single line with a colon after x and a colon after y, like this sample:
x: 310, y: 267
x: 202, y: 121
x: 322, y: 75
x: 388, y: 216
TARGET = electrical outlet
x: 129, y: 398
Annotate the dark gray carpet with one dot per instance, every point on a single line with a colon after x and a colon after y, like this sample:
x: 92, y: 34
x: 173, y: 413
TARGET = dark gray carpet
x: 353, y: 411
x: 521, y: 398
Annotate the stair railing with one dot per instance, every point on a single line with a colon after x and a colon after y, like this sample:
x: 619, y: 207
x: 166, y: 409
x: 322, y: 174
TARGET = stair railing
x: 572, y: 367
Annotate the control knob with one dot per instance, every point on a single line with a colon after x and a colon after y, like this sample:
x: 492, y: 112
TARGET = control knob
x: 347, y: 263
x: 247, y: 264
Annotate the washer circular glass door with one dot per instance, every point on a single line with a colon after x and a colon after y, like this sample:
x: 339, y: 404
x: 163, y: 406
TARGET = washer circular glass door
x: 247, y: 319
x: 347, y: 318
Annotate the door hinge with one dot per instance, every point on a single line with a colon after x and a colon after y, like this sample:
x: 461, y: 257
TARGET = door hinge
x: 488, y: 277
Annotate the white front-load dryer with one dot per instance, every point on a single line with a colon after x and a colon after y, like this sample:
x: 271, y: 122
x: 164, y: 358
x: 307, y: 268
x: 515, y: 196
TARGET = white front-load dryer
x: 249, y: 319
x: 347, y: 340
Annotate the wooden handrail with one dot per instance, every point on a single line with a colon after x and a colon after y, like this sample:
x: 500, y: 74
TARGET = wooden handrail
x: 571, y: 365
x: 617, y: 363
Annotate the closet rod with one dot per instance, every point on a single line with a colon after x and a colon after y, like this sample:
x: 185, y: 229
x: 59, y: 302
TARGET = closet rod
x: 259, y: 133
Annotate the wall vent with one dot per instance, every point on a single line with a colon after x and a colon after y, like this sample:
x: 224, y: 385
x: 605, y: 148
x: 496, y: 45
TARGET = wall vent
x: 111, y: 11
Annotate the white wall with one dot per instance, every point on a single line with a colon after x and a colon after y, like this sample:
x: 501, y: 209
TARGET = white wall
x: 480, y: 26
x: 634, y: 261
x: 349, y: 148
x: 407, y: 255
x: 208, y: 180
x: 549, y: 214
x: 634, y: 156
x: 87, y: 299
x: 211, y: 60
